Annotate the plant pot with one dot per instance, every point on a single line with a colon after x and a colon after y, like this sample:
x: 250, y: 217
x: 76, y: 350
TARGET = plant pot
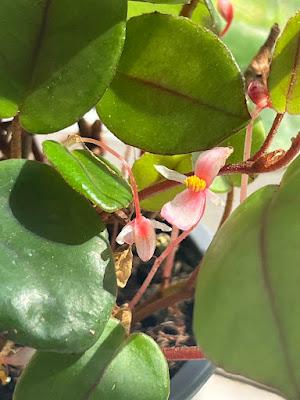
x: 193, y: 374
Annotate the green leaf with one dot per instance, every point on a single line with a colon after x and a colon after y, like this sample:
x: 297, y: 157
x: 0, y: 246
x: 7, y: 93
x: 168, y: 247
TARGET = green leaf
x: 115, y: 368
x: 146, y: 175
x: 136, y: 8
x: 92, y: 176
x: 57, y: 286
x: 167, y: 110
x: 57, y: 58
x: 163, y: 1
x: 284, y: 82
x: 247, y: 293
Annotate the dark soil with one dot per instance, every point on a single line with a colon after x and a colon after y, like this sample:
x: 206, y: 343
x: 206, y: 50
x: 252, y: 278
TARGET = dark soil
x: 172, y: 326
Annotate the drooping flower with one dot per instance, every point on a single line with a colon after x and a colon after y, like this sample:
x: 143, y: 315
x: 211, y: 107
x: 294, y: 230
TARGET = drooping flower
x: 225, y: 8
x: 187, y: 208
x: 259, y: 94
x: 141, y: 231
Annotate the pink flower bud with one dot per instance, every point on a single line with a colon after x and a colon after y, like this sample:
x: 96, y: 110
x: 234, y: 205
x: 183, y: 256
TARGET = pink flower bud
x: 259, y: 94
x: 225, y: 8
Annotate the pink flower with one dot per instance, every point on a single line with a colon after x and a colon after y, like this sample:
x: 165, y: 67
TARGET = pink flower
x: 225, y: 8
x: 187, y: 208
x: 141, y: 231
x: 259, y: 94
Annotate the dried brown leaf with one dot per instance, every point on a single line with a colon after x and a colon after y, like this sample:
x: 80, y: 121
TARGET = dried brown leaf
x: 123, y: 265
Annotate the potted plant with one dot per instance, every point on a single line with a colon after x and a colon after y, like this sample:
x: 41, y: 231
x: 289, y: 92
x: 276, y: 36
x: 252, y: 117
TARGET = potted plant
x: 99, y: 276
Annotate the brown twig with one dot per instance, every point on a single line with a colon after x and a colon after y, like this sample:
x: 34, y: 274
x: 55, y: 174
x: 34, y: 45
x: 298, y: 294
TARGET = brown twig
x: 188, y: 9
x: 228, y: 207
x: 16, y: 139
x: 38, y: 155
x: 183, y: 353
x: 273, y: 131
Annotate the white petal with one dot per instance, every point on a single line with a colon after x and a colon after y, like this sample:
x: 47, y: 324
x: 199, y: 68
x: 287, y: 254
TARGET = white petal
x: 215, y: 199
x: 126, y: 235
x: 170, y: 174
x: 160, y: 225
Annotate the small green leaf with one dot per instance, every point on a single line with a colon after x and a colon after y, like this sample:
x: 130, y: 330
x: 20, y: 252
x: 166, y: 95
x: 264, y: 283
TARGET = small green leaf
x: 284, y: 79
x: 168, y: 110
x: 248, y: 287
x: 92, y: 176
x: 57, y: 286
x: 146, y: 175
x: 115, y: 368
x: 57, y: 58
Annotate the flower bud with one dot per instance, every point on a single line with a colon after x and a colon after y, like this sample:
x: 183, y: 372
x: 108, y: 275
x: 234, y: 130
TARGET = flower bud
x: 259, y: 94
x: 225, y: 8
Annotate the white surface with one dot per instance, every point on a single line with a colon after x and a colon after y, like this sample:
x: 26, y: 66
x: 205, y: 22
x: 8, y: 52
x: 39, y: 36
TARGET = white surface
x: 220, y: 388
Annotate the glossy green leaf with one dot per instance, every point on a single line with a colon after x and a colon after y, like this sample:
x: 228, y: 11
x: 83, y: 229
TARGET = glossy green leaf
x: 284, y: 79
x: 92, y: 176
x: 57, y: 286
x: 136, y: 8
x: 57, y: 58
x: 245, y: 317
x: 146, y: 175
x: 168, y: 110
x: 115, y: 368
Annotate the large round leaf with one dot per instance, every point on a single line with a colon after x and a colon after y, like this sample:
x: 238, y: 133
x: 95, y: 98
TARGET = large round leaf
x: 57, y: 286
x: 284, y: 79
x: 115, y: 368
x: 177, y: 88
x: 92, y: 176
x: 57, y: 58
x: 247, y: 296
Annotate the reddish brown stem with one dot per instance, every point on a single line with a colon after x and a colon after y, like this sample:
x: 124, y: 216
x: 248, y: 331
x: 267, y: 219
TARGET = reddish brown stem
x: 16, y: 139
x: 267, y: 143
x: 155, y: 267
x: 167, y: 271
x: 228, y: 207
x: 183, y: 353
x: 188, y: 9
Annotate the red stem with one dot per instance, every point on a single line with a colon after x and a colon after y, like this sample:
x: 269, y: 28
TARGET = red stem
x: 155, y: 267
x: 167, y: 271
x: 183, y: 353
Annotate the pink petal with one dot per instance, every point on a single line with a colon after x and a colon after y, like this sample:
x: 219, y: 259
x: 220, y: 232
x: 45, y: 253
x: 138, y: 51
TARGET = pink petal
x: 210, y: 162
x: 126, y: 235
x: 144, y: 238
x: 185, y: 210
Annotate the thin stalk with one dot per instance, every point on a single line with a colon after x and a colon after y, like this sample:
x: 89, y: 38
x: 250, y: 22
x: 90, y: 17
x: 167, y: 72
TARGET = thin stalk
x: 268, y: 141
x: 16, y: 139
x: 247, y: 152
x: 155, y: 267
x: 228, y: 207
x: 167, y: 270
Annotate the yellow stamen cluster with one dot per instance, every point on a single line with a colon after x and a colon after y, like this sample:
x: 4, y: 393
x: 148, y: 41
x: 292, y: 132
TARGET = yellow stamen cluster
x: 195, y: 183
